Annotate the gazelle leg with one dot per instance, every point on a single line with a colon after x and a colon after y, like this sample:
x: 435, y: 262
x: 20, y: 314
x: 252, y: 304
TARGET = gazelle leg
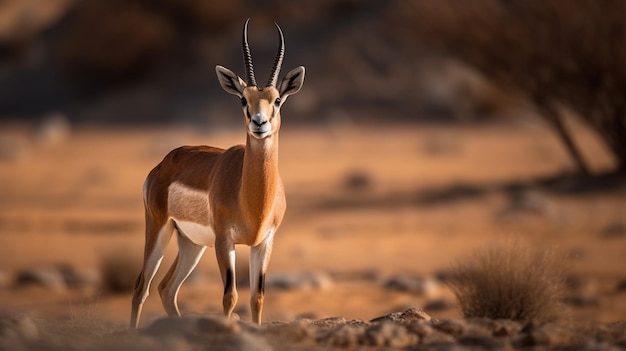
x: 225, y: 252
x: 189, y: 255
x: 153, y: 256
x: 259, y: 260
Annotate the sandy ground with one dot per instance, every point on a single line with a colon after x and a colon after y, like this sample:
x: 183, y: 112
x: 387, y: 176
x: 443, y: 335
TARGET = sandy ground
x: 365, y: 203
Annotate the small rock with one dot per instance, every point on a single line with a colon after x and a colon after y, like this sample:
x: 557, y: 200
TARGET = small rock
x: 300, y: 281
x: 581, y: 301
x: 534, y: 334
x: 420, y: 328
x: 523, y: 202
x: 453, y: 327
x: 310, y: 315
x: 439, y: 305
x: 54, y: 129
x: 614, y: 230
x: 58, y: 277
x: 369, y: 275
x: 435, y: 337
x: 415, y: 285
x: 621, y: 286
x: 18, y: 327
x: 444, y: 276
x: 45, y: 276
x: 79, y: 278
x: 358, y: 181
x: 330, y: 322
x: 343, y: 336
x: 389, y: 334
x: 575, y: 282
x: 408, y: 316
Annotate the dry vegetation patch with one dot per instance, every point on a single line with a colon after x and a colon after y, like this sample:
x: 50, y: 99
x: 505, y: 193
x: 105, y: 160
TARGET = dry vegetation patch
x: 510, y: 282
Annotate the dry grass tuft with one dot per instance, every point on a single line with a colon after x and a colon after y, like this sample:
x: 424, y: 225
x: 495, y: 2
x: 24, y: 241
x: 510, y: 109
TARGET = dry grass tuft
x: 510, y: 282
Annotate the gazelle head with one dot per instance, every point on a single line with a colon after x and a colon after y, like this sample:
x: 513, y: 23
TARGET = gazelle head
x: 261, y: 106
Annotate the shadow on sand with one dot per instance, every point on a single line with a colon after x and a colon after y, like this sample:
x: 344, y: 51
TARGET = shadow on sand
x: 566, y: 184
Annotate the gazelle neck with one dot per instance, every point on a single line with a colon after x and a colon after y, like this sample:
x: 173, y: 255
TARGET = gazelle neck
x: 260, y: 178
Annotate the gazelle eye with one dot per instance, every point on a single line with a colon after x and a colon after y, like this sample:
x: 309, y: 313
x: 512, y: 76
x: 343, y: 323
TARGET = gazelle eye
x: 277, y: 102
x: 244, y: 102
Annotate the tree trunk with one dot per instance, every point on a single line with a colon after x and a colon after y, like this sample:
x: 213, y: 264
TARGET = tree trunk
x: 618, y: 144
x: 554, y: 117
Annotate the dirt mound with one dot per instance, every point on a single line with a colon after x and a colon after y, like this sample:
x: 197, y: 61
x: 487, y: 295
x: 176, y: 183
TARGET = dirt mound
x: 417, y: 330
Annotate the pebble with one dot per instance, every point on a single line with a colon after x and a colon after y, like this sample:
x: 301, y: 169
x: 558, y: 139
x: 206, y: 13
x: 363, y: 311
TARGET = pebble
x: 57, y: 277
x: 408, y: 316
x: 299, y: 281
x: 415, y: 285
x: 49, y: 277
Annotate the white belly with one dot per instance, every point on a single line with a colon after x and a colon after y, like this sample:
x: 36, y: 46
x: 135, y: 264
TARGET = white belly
x: 199, y: 234
x: 189, y: 209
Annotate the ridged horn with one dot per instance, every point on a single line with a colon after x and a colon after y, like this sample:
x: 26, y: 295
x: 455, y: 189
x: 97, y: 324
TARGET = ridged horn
x: 279, y: 58
x: 247, y: 56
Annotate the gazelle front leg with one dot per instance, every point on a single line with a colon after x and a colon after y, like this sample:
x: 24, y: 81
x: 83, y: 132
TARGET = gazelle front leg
x: 225, y: 251
x: 259, y: 260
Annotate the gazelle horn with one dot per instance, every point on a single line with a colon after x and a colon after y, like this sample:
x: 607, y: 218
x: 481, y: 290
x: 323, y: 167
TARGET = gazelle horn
x: 247, y: 57
x: 279, y: 58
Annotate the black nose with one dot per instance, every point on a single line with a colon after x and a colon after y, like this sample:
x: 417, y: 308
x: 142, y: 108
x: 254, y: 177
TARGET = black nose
x: 258, y: 123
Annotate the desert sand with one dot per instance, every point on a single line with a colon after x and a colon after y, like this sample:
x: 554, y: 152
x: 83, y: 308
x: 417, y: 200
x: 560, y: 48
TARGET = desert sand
x: 376, y: 217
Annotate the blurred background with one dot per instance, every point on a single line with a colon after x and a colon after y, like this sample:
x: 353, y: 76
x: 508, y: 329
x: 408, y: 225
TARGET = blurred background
x: 424, y: 129
x: 137, y: 62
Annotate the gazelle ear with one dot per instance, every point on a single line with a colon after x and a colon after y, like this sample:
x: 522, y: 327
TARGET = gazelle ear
x: 292, y: 82
x: 229, y: 81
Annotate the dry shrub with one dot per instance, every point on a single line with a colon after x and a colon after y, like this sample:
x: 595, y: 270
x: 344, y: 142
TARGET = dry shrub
x: 510, y: 281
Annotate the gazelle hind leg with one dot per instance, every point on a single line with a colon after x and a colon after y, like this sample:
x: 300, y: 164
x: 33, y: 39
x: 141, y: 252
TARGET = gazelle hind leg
x: 189, y: 255
x: 259, y: 260
x: 153, y: 256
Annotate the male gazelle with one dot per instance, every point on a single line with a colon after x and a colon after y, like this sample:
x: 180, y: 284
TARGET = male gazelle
x: 214, y: 197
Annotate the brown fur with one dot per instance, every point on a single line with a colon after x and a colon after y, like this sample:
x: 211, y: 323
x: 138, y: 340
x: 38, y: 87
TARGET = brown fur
x: 246, y: 200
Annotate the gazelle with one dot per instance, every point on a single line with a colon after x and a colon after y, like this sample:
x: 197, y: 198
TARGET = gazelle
x: 216, y: 197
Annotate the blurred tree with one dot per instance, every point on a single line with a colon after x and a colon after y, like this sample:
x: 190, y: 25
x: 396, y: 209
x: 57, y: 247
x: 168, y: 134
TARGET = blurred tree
x: 569, y: 53
x: 116, y: 39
